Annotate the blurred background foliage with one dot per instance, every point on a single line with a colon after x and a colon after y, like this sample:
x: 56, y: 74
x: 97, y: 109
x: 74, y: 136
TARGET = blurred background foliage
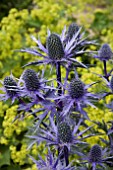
x: 18, y: 21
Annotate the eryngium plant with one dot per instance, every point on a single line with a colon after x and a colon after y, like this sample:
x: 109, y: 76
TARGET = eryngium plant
x: 95, y: 154
x: 60, y: 111
x: 10, y: 89
x: 105, y: 53
x: 31, y: 80
x: 62, y: 48
x: 97, y: 157
x: 77, y: 97
x: 10, y: 86
x: 76, y: 89
x: 73, y: 29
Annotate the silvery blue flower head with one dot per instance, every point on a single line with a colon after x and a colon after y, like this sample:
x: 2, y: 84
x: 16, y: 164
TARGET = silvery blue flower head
x: 55, y: 47
x: 72, y: 30
x: 10, y: 89
x: 31, y: 80
x: 51, y: 163
x: 76, y: 89
x: 58, y: 48
x: 105, y: 53
x: 95, y: 154
x: 61, y: 134
x: 98, y: 157
x: 77, y: 95
x: 64, y: 132
x: 32, y: 85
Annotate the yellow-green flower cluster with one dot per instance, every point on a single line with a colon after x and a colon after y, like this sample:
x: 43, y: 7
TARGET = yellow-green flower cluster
x: 10, y: 127
x: 19, y: 156
x: 10, y: 132
x: 3, y: 108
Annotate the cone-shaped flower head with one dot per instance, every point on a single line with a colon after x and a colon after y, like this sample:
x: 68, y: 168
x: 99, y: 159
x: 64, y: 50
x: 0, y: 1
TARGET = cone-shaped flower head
x: 95, y: 154
x: 10, y: 86
x: 105, y: 52
x: 76, y: 88
x: 55, y: 47
x: 72, y: 30
x: 31, y: 80
x: 64, y: 132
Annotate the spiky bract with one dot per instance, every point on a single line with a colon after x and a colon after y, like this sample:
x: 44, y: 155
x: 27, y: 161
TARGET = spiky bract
x: 111, y: 83
x: 31, y: 80
x: 55, y: 47
x: 76, y: 88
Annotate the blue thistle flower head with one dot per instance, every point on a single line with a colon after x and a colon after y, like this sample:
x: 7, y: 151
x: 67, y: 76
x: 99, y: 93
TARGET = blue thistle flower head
x: 105, y: 53
x: 98, y: 156
x: 61, y: 134
x: 10, y: 89
x: 95, y: 154
x: 55, y: 47
x: 62, y: 48
x: 35, y: 88
x: 64, y: 132
x: 76, y: 88
x: 77, y: 95
x: 10, y: 86
x: 31, y: 80
x: 72, y: 30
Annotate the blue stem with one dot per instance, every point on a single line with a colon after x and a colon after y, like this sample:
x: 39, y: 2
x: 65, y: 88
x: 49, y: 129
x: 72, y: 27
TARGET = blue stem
x: 105, y: 71
x: 67, y: 74
x: 58, y: 74
x: 66, y: 155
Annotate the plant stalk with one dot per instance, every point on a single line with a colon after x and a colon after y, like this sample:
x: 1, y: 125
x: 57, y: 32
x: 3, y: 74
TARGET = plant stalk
x: 105, y: 71
x: 58, y: 75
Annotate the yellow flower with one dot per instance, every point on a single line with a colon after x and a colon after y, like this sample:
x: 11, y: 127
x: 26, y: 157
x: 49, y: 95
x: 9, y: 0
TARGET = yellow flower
x: 3, y: 140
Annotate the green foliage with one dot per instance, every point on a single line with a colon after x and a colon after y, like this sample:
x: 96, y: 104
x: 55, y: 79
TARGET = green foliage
x: 6, y: 5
